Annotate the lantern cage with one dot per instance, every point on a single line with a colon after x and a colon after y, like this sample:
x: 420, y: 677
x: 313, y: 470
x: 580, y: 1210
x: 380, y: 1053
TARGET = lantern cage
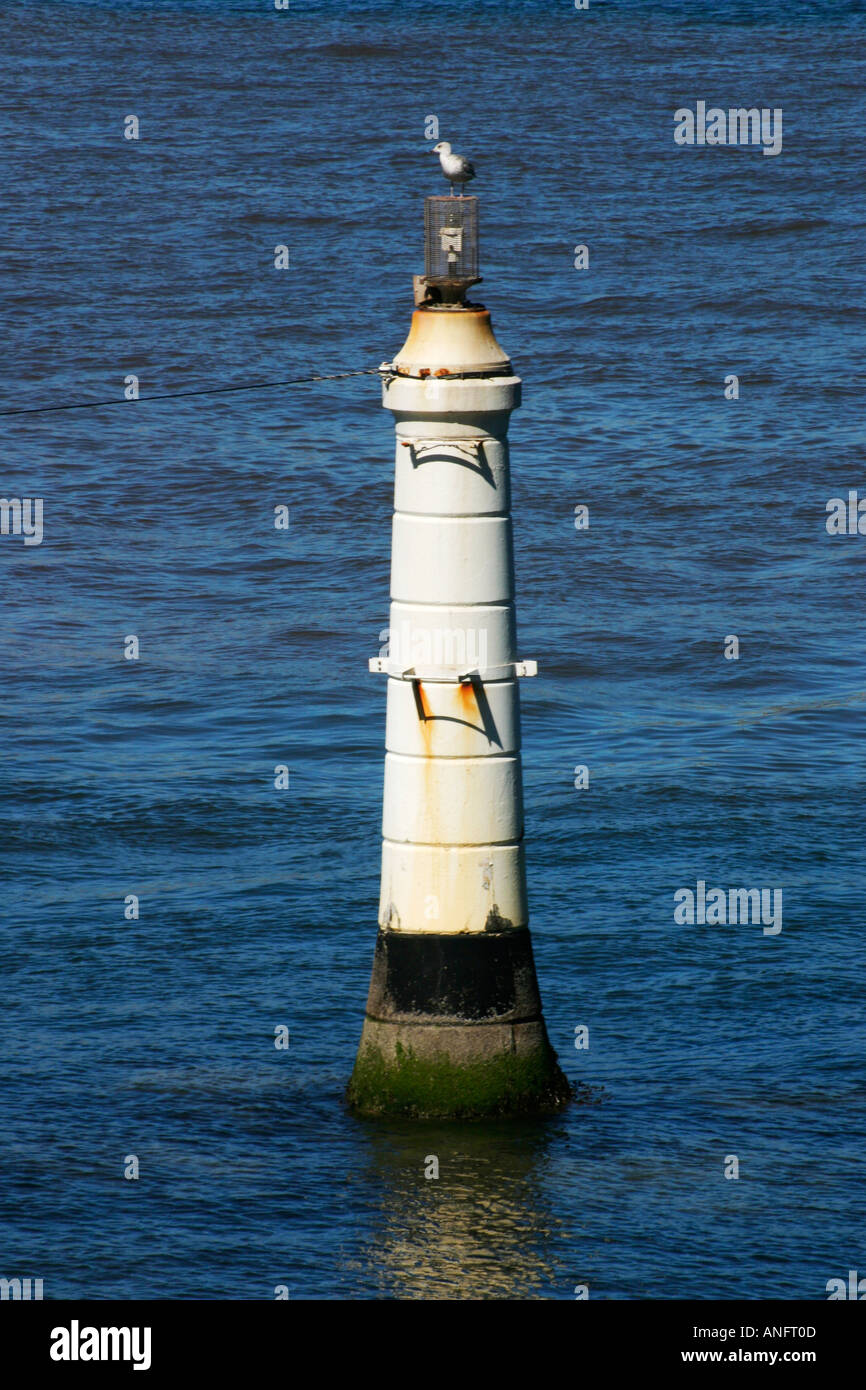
x: 451, y: 242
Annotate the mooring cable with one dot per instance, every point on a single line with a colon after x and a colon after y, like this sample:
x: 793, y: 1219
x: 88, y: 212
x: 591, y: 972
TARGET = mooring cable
x: 185, y: 395
x: 225, y: 391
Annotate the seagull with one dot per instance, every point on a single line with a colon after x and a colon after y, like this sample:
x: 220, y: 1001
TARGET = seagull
x: 455, y: 168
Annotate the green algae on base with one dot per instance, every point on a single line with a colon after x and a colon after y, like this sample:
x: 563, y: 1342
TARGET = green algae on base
x: 437, y: 1087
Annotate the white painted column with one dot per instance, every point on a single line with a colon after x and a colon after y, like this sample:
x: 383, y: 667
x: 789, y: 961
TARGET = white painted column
x: 452, y: 855
x: 454, y: 1023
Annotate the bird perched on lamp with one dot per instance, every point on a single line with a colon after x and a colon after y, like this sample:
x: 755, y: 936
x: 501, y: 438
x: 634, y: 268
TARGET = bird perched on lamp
x: 455, y: 168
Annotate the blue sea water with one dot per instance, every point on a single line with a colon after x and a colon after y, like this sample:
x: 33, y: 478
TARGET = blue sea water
x: 155, y: 1037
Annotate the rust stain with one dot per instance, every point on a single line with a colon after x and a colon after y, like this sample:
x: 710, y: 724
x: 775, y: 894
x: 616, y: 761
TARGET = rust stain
x: 466, y: 696
x: 469, y: 716
x: 426, y: 723
x: 422, y: 696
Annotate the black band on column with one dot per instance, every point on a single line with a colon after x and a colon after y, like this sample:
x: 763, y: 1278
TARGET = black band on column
x: 454, y: 976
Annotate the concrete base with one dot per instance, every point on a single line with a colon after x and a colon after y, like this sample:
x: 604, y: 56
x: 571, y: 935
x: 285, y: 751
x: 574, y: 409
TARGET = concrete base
x: 454, y: 1029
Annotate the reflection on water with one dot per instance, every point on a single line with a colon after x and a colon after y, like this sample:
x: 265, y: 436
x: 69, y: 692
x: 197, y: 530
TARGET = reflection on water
x: 485, y: 1228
